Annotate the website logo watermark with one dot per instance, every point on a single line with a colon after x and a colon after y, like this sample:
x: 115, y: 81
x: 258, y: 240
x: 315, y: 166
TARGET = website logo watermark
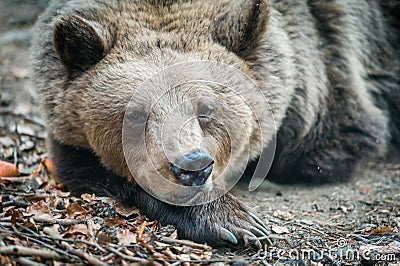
x: 342, y: 252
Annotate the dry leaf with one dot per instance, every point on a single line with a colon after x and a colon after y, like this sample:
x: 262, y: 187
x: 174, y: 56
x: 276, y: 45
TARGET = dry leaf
x: 103, y: 238
x: 283, y: 215
x: 88, y: 197
x: 76, y: 229
x: 183, y: 257
x: 279, y: 229
x: 169, y: 254
x: 60, y: 194
x: 49, y: 166
x: 75, y: 210
x: 39, y: 208
x: 126, y: 211
x: 4, y: 260
x: 114, y: 222
x: 30, y: 223
x: 344, y: 209
x: 174, y: 235
x: 16, y: 216
x: 8, y: 169
x: 126, y: 237
x: 381, y: 230
x: 364, y: 189
x: 7, y: 141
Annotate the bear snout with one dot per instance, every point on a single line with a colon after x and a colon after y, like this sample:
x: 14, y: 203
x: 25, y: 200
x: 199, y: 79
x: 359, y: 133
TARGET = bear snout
x: 194, y: 168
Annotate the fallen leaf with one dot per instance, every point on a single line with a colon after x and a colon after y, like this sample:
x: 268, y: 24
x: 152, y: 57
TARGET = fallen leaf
x: 30, y: 223
x: 61, y: 194
x: 183, y: 257
x: 103, y: 238
x: 126, y: 211
x: 75, y: 230
x: 39, y: 208
x: 363, y: 189
x: 16, y: 216
x: 4, y: 260
x: 75, y: 210
x: 279, y: 229
x: 381, y: 230
x: 344, y: 209
x: 24, y: 130
x: 8, y: 169
x: 126, y: 237
x: 169, y: 254
x: 283, y: 215
x: 114, y: 222
x: 88, y: 197
x: 7, y: 141
x: 49, y: 166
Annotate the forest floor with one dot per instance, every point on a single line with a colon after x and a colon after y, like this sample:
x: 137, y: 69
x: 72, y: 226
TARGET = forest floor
x: 355, y: 223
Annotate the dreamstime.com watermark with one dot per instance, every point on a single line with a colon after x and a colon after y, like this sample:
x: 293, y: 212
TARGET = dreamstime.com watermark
x: 341, y: 252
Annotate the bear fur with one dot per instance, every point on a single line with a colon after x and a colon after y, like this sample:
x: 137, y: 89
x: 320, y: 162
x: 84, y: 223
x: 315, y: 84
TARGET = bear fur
x: 329, y: 69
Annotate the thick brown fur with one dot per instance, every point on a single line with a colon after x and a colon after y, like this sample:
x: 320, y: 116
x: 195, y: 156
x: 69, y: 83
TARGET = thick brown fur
x: 329, y: 69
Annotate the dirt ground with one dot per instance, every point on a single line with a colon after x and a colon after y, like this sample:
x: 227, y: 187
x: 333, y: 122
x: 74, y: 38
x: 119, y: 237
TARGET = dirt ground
x: 355, y: 223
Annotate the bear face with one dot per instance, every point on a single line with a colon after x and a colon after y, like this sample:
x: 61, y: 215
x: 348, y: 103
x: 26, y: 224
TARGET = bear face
x: 108, y: 66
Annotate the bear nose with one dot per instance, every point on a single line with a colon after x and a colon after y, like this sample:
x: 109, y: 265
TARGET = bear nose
x: 193, y: 169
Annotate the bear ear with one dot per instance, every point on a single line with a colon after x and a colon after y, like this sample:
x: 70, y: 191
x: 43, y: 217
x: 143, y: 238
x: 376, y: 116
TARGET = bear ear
x: 80, y: 43
x: 240, y: 25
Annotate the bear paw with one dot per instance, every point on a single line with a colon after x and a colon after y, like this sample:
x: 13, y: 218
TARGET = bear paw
x: 225, y: 221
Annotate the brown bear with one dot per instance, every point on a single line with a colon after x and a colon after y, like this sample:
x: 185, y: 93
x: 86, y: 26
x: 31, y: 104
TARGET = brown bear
x: 328, y: 73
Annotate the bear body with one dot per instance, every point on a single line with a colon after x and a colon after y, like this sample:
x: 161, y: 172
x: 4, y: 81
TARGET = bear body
x: 328, y: 69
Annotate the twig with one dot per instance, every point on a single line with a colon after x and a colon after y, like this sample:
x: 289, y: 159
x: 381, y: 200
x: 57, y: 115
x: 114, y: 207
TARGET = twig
x: 126, y: 257
x: 45, y: 220
x: 88, y: 257
x: 54, y: 238
x: 25, y: 251
x: 38, y: 196
x: 360, y: 238
x: 309, y: 228
x: 33, y: 120
x: 63, y: 222
x: 168, y: 240
x: 30, y: 231
x: 32, y: 136
x: 108, y: 256
x: 5, y: 224
x: 15, y: 154
x: 39, y: 242
x: 16, y: 203
x: 5, y: 179
x: 25, y: 262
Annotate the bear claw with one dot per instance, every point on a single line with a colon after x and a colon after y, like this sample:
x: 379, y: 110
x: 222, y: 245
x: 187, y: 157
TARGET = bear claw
x: 255, y: 230
x: 254, y: 235
x: 226, y: 235
x: 258, y: 220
